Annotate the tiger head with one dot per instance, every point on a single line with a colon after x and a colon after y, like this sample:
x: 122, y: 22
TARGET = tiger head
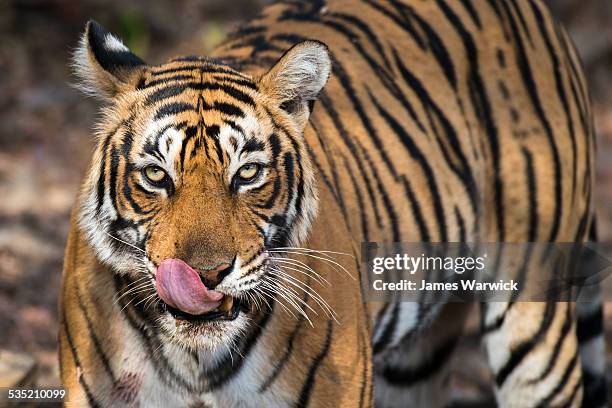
x: 199, y: 171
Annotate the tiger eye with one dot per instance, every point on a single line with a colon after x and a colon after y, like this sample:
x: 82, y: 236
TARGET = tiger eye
x: 155, y: 174
x: 248, y: 171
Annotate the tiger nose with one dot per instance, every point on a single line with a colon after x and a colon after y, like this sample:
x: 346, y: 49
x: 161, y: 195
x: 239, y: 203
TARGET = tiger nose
x: 213, y: 277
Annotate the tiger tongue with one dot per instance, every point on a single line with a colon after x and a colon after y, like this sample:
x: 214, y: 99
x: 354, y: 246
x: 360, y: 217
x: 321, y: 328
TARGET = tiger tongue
x: 180, y: 286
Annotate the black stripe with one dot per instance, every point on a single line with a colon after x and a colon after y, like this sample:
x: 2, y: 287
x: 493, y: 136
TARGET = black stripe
x: 274, y: 195
x: 235, y: 81
x: 278, y: 365
x: 114, y: 169
x: 590, y: 326
x: 165, y: 93
x: 151, y: 146
x: 570, y: 400
x: 532, y: 194
x: 353, y: 144
x: 578, y: 91
x: 502, y: 21
x: 379, y: 315
x: 532, y: 89
x: 522, y: 350
x: 560, y: 91
x: 521, y: 18
x: 595, y: 389
x: 288, y: 166
x: 363, y: 27
x: 77, y: 362
x: 309, y: 382
x: 571, y: 365
x: 191, y: 132
x: 405, y: 21
x: 360, y: 205
x: 469, y: 7
x: 483, y: 108
x: 168, y: 80
x: 331, y: 181
x: 382, y: 193
x: 463, y: 170
x: 202, y: 68
x: 225, y: 108
x: 439, y: 51
x: 101, y: 190
x: 389, y: 329
x: 554, y: 355
x: 219, y: 150
x: 406, y: 376
x: 253, y: 145
x: 173, y: 109
x: 92, y: 335
x: 416, y: 211
x: 418, y: 156
x: 128, y: 170
x: 485, y: 328
x: 460, y: 225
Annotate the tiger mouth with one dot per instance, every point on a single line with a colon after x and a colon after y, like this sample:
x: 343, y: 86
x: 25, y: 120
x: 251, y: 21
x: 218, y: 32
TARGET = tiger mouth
x: 228, y: 310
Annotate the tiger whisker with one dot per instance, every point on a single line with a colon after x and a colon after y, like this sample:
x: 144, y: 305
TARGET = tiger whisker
x: 141, y: 287
x: 273, y: 291
x: 324, y: 306
x: 295, y: 296
x: 125, y: 243
x: 151, y: 301
x: 286, y: 251
x: 261, y: 297
x: 304, y: 269
x: 136, y: 292
x: 145, y: 299
x: 320, y: 258
x: 137, y: 282
x: 316, y: 250
x: 270, y: 292
x: 307, y: 289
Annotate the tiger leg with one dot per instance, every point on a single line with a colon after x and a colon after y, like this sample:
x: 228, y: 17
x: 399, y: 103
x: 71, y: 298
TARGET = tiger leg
x: 533, y: 352
x: 412, y: 370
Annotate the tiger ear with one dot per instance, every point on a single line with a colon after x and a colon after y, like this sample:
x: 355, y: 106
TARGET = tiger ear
x: 297, y: 77
x: 104, y: 65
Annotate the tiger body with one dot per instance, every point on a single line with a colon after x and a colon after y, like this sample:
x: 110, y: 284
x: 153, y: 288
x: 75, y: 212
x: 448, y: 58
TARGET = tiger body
x: 441, y: 121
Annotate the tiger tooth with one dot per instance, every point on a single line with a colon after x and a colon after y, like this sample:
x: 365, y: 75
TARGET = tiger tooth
x: 227, y: 304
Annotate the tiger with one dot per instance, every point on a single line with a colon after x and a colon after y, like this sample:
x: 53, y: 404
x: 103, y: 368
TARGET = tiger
x: 213, y: 258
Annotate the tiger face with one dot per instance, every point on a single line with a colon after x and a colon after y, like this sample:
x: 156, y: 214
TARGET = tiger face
x: 199, y: 171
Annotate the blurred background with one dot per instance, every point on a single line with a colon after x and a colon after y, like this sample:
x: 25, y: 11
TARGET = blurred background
x: 46, y: 141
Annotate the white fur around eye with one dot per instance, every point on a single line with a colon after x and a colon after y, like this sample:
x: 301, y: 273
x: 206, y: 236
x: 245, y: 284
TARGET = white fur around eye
x: 239, y: 158
x: 168, y: 144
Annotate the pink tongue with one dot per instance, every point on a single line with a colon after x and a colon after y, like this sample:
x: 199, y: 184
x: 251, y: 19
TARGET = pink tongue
x: 179, y: 285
